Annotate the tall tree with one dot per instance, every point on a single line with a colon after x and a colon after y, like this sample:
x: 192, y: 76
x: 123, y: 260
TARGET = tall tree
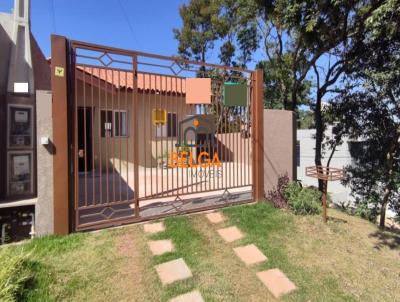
x: 370, y: 111
x: 198, y: 32
x: 307, y: 28
x: 296, y: 36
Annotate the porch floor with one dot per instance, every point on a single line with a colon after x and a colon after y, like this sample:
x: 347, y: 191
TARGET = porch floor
x: 105, y: 197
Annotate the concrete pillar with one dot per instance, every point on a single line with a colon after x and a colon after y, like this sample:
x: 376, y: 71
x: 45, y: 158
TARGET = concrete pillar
x: 279, y: 146
x: 44, y: 213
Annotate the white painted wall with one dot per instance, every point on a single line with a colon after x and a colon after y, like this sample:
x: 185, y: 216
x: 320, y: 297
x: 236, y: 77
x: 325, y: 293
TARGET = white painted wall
x: 340, y: 159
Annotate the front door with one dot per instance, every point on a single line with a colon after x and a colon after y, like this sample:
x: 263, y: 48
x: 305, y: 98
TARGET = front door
x: 85, y: 139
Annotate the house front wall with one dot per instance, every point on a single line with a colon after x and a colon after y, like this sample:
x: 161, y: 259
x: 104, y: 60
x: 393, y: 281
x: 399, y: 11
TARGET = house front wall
x: 108, y: 150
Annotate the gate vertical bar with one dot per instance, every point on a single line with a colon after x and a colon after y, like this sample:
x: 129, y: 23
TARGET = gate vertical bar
x: 113, y: 128
x: 99, y: 141
x: 143, y: 101
x: 135, y: 136
x: 92, y: 137
x: 128, y: 117
x: 258, y: 135
x: 74, y: 115
x: 120, y: 123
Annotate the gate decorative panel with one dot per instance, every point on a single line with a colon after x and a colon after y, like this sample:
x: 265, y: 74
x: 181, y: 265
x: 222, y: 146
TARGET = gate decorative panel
x: 142, y: 150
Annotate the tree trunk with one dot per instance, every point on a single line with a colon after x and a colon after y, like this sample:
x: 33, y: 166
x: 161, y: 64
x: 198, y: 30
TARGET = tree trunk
x: 285, y: 99
x: 319, y: 131
x: 294, y: 98
x: 389, y: 180
x: 383, y: 209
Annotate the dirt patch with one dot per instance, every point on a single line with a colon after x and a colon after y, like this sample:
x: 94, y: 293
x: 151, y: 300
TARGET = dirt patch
x: 135, y: 266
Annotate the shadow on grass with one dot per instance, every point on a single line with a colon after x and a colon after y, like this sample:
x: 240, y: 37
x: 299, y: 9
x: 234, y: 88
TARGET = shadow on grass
x: 337, y: 220
x: 389, y: 238
x: 36, y: 286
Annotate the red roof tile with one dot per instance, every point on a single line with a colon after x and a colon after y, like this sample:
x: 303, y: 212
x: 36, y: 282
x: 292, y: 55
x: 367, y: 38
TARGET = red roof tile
x: 124, y: 79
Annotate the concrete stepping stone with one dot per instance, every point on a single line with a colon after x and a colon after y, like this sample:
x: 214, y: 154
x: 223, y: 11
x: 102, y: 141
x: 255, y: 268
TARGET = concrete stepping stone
x: 230, y: 234
x: 152, y: 228
x: 159, y: 247
x: 172, y: 271
x: 250, y: 254
x: 215, y: 217
x: 276, y: 282
x: 193, y: 296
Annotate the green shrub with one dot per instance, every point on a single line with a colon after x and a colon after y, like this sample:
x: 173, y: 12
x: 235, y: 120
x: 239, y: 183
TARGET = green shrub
x: 14, y: 274
x: 362, y: 210
x: 303, y: 201
x: 277, y: 194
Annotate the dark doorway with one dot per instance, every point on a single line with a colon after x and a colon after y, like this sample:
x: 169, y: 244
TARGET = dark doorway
x: 84, y: 150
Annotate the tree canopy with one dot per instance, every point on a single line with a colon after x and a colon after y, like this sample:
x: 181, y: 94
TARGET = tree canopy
x: 311, y: 52
x: 368, y: 110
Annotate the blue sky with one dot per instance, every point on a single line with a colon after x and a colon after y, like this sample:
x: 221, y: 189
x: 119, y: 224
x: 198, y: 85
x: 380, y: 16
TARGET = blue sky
x: 146, y: 25
x: 103, y: 22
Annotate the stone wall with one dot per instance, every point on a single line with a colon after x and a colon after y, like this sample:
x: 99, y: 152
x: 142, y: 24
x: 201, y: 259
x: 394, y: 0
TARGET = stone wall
x: 44, y: 129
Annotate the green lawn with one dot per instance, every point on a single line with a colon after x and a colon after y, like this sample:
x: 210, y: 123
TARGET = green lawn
x: 346, y: 260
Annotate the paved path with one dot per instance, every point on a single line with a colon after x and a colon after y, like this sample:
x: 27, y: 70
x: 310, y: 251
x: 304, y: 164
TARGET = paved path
x: 176, y: 270
x: 274, y: 279
x: 171, y: 271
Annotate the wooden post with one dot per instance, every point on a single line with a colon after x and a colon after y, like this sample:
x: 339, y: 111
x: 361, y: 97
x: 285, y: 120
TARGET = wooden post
x: 324, y: 196
x: 257, y: 113
x: 60, y: 133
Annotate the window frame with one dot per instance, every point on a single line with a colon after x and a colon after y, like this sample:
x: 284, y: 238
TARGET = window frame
x: 102, y: 124
x: 113, y: 123
x: 119, y: 111
x: 164, y: 128
x: 176, y: 124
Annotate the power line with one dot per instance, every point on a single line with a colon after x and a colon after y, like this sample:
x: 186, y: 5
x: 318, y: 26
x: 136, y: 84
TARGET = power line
x: 128, y: 22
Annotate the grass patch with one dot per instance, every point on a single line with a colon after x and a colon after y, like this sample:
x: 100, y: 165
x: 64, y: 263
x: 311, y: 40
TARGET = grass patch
x: 194, y: 249
x: 362, y: 259
x: 268, y: 228
x: 14, y: 275
x: 348, y: 259
x: 70, y: 268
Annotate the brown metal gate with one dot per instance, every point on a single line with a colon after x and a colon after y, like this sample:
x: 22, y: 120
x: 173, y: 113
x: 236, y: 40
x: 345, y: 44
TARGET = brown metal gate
x: 140, y: 151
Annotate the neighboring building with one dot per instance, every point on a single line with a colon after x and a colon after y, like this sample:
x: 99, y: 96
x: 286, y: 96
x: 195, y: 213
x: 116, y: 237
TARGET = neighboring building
x: 23, y: 71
